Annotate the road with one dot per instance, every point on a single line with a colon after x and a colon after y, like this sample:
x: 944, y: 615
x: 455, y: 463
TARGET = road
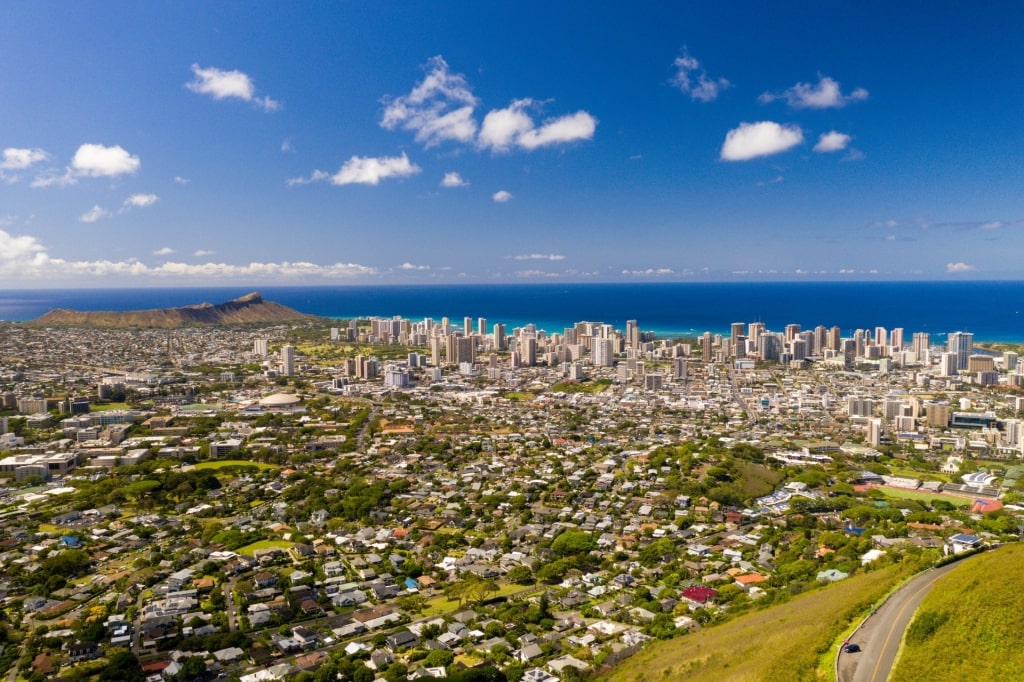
x: 880, y: 635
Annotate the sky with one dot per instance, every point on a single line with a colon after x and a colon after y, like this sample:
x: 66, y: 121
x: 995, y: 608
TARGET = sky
x: 195, y: 143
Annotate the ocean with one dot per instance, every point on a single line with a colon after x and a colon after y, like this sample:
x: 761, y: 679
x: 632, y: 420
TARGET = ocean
x: 991, y: 310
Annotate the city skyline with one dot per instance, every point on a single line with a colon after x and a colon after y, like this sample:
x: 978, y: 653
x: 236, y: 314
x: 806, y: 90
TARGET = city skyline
x: 464, y: 143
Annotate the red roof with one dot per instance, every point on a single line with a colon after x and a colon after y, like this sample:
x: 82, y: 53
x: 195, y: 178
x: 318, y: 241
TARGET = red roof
x: 700, y: 593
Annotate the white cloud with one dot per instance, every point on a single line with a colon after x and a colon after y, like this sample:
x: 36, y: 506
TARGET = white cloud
x: 221, y: 84
x: 751, y: 140
x: 20, y: 159
x: 317, y: 176
x: 16, y: 251
x: 825, y: 95
x: 649, y: 272
x: 538, y: 256
x: 692, y: 80
x: 535, y: 273
x: 180, y: 180
x: 502, y: 127
x: 453, y: 179
x: 410, y: 266
x: 24, y: 258
x: 991, y: 225
x: 202, y: 252
x: 959, y: 267
x: 93, y: 214
x: 52, y: 178
x: 569, y: 128
x: 364, y: 170
x: 95, y: 160
x: 140, y: 200
x: 502, y: 196
x: 512, y: 126
x: 286, y: 145
x: 439, y: 108
x: 165, y: 251
x: 832, y: 141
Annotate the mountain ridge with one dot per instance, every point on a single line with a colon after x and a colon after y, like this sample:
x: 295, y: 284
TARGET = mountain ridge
x: 247, y: 309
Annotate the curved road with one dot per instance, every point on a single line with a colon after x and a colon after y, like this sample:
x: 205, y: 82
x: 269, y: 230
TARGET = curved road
x: 880, y: 635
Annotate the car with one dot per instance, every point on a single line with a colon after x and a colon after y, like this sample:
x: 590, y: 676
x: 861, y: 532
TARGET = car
x: 851, y: 648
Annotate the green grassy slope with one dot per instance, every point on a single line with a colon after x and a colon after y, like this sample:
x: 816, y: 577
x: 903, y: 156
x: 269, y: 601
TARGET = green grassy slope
x: 783, y: 643
x: 969, y: 626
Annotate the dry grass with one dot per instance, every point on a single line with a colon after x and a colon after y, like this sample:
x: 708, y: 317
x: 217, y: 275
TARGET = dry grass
x: 783, y: 643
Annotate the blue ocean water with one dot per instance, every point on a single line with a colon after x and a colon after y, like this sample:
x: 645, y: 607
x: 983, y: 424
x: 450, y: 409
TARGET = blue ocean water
x: 993, y: 311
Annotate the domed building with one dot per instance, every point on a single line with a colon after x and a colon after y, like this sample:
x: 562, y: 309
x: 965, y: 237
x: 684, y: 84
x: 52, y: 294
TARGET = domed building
x: 279, y: 401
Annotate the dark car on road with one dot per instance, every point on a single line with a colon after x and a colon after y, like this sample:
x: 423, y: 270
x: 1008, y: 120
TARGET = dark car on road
x: 851, y: 648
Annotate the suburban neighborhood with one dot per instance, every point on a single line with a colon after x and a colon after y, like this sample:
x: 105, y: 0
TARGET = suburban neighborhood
x: 397, y: 500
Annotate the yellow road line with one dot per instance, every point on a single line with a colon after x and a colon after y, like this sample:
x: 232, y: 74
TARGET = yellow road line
x: 895, y: 621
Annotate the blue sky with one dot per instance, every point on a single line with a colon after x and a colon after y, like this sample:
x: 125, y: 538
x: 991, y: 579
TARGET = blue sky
x: 177, y: 143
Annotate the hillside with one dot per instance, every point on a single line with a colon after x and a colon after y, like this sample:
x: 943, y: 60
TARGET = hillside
x: 969, y: 626
x: 251, y: 308
x: 781, y: 643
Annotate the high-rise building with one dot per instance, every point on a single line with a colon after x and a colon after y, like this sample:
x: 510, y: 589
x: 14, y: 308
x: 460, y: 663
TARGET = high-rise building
x: 528, y: 351
x: 961, y: 343
x: 706, y: 345
x: 921, y: 342
x: 881, y: 336
x: 499, y: 336
x: 735, y: 332
x: 679, y: 368
x: 632, y: 334
x: 820, y: 339
x: 288, y: 360
x: 260, y: 347
x: 835, y: 337
x: 896, y: 338
x: 791, y: 331
x: 947, y: 365
x: 603, y: 352
x: 481, y: 327
x: 799, y: 349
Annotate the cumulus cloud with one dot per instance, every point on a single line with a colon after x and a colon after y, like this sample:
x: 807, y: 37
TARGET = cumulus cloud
x: 502, y: 196
x: 512, y: 126
x: 411, y: 266
x: 825, y: 95
x: 693, y: 80
x: 561, y: 130
x: 832, y: 141
x: 21, y: 250
x: 751, y: 140
x: 439, y: 108
x: 364, y: 170
x: 199, y: 253
x: 165, y: 251
x: 96, y: 160
x: 20, y: 159
x: 220, y: 84
x: 959, y: 267
x: 140, y: 200
x: 95, y: 213
x: 180, y: 180
x: 453, y: 179
x: 538, y: 256
x: 23, y: 257
x: 442, y: 108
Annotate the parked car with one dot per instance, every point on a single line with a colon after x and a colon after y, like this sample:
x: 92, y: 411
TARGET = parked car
x: 851, y: 648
